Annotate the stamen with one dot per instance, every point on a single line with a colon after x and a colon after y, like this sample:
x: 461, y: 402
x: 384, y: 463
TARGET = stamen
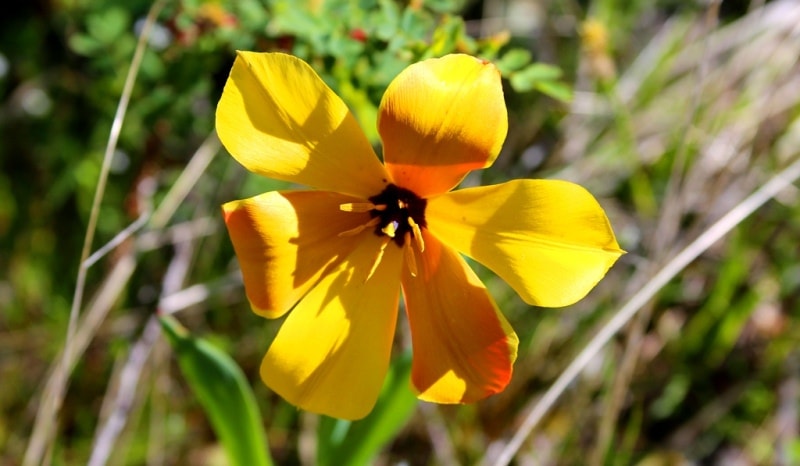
x: 354, y: 231
x: 378, y: 258
x: 417, y: 234
x: 391, y: 228
x: 411, y: 259
x: 357, y: 207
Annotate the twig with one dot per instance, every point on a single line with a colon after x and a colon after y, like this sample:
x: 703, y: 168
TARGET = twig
x: 186, y: 181
x: 118, y: 239
x: 111, y: 429
x: 172, y: 283
x: 715, y: 232
x: 196, y: 294
x: 129, y: 382
x: 176, y: 233
x: 159, y: 405
x: 46, y: 418
x: 786, y: 418
x: 443, y: 449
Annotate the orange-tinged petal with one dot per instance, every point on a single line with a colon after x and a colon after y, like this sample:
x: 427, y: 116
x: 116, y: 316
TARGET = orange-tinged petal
x: 279, y: 119
x: 550, y: 240
x: 285, y: 241
x: 332, y: 352
x: 464, y: 348
x: 440, y: 119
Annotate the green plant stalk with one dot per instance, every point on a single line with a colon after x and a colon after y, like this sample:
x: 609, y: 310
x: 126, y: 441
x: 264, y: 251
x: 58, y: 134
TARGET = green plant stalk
x: 224, y: 393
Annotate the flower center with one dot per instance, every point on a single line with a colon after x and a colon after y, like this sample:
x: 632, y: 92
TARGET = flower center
x: 401, y: 214
x: 397, y: 214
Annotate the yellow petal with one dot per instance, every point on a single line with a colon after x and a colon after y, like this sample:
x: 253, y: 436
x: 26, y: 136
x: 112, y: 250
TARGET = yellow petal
x: 280, y: 120
x: 464, y: 348
x: 285, y: 241
x: 550, y: 240
x: 332, y: 352
x: 439, y: 119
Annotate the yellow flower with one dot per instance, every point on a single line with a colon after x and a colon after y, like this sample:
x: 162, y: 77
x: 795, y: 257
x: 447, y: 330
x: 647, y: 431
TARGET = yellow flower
x: 339, y: 255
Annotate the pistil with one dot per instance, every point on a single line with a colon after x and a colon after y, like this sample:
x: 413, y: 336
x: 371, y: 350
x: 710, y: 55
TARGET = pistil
x: 411, y: 256
x: 417, y: 234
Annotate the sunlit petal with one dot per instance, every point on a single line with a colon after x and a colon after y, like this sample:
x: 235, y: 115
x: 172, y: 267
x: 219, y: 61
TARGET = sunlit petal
x: 463, y: 346
x: 550, y: 240
x: 439, y: 119
x: 332, y: 352
x: 280, y: 120
x: 285, y: 241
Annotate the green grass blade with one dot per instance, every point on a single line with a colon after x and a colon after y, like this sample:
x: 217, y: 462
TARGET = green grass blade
x: 224, y: 393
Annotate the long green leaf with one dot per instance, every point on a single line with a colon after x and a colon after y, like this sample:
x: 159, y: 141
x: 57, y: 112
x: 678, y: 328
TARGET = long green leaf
x: 224, y: 393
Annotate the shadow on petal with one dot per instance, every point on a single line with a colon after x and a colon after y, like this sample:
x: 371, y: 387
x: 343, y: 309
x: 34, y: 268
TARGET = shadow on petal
x: 464, y: 349
x: 279, y: 119
x: 332, y: 353
x: 549, y: 239
x: 286, y: 241
x: 440, y: 119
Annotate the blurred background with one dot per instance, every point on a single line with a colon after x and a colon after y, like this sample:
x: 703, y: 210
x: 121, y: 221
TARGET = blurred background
x: 670, y: 112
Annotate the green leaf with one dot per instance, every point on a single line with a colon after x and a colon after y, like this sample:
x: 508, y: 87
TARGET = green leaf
x: 358, y: 442
x: 525, y: 79
x: 445, y: 6
x: 541, y: 72
x: 555, y: 89
x: 513, y: 60
x: 224, y: 393
x: 294, y: 18
x: 107, y: 26
x: 84, y: 44
x: 415, y: 24
x: 446, y: 36
x: 386, y: 21
x: 541, y: 77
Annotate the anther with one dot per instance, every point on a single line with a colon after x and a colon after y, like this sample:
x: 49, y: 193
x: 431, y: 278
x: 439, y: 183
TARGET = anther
x: 417, y: 234
x: 401, y: 211
x: 391, y: 228
x: 411, y: 259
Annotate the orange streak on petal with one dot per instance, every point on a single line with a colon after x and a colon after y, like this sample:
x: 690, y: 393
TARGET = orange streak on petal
x: 464, y: 348
x: 286, y: 241
x: 440, y: 119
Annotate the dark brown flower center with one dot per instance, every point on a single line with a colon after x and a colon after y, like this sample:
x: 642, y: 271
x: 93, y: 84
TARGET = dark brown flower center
x: 398, y: 215
x: 401, y: 213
